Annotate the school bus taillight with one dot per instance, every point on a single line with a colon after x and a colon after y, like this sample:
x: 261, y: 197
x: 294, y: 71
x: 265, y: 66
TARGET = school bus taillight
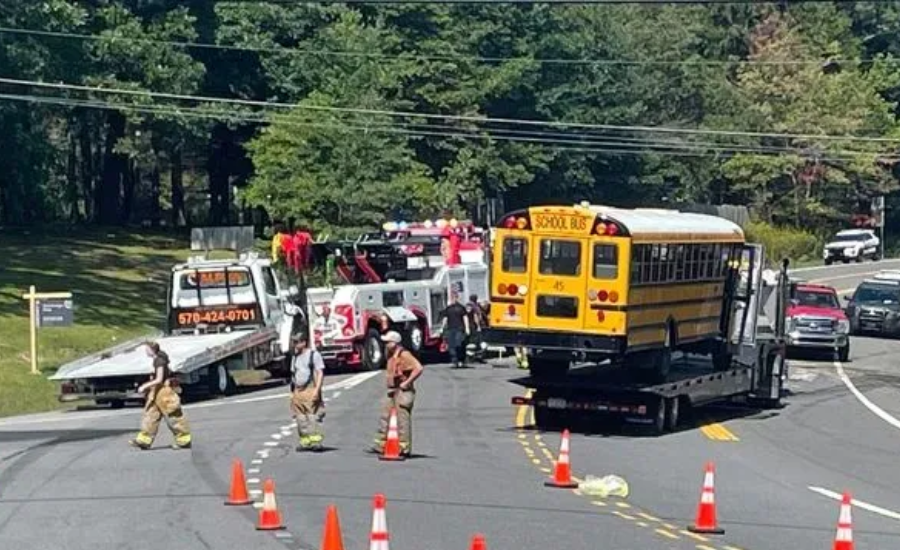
x: 609, y: 229
x: 515, y: 222
x: 511, y: 309
x: 613, y: 296
x: 600, y: 315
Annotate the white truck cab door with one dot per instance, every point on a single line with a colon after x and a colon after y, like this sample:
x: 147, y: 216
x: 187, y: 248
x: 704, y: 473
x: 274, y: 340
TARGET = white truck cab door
x: 271, y: 297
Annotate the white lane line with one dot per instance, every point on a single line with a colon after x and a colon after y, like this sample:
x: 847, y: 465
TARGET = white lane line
x: 858, y: 503
x: 253, y: 470
x: 256, y: 461
x: 263, y: 454
x: 271, y: 443
x: 257, y: 504
x: 287, y: 427
x: 277, y: 436
x: 253, y: 480
x: 875, y: 409
x: 255, y: 492
x: 336, y: 395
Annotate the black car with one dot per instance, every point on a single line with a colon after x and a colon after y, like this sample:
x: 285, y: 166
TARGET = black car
x: 874, y: 308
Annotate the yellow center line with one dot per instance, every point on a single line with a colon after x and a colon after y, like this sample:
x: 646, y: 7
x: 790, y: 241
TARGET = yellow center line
x: 665, y: 533
x: 718, y: 432
x: 704, y: 547
x: 624, y: 515
x: 694, y: 536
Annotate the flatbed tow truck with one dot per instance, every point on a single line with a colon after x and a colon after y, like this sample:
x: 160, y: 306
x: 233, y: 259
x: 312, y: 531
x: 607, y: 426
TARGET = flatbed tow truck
x: 757, y: 374
x: 222, y: 316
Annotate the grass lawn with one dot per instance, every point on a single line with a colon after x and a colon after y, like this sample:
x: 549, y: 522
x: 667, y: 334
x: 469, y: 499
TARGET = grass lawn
x: 118, y: 281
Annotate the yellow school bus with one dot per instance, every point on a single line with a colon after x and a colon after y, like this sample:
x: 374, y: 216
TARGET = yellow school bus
x: 590, y: 283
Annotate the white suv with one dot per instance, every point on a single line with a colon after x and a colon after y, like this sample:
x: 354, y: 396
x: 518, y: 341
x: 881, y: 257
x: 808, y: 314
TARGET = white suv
x: 852, y: 244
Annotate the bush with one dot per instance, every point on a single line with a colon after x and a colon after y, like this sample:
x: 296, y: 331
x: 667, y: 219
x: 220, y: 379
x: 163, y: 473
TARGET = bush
x: 783, y: 242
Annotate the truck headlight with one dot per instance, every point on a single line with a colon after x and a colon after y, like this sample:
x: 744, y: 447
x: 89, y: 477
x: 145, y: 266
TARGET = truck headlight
x: 843, y: 326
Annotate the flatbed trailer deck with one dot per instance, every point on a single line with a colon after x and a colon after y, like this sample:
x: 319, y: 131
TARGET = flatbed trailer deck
x: 608, y: 390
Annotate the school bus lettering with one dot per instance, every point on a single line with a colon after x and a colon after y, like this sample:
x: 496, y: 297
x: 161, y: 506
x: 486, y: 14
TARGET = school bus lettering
x: 560, y: 222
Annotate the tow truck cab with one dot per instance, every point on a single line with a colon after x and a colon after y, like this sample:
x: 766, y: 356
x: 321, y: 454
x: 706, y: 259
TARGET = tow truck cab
x: 815, y: 320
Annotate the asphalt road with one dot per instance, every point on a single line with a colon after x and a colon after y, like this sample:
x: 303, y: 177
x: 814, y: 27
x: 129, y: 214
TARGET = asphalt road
x: 69, y: 480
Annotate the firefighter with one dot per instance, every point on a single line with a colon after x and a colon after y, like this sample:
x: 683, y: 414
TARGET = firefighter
x: 307, y: 406
x: 162, y: 402
x: 521, y: 357
x: 403, y: 369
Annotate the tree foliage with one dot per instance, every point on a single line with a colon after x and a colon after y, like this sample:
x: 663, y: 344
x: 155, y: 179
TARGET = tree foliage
x: 340, y: 117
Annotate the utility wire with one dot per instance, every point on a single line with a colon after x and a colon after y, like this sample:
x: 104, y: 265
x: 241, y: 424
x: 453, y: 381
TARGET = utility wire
x: 432, y: 116
x: 429, y: 57
x: 585, y: 146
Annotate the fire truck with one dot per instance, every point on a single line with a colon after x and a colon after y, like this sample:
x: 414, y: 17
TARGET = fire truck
x: 400, y: 278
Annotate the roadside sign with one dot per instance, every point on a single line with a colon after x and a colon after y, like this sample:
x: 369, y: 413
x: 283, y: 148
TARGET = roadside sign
x: 54, y: 312
x: 46, y: 309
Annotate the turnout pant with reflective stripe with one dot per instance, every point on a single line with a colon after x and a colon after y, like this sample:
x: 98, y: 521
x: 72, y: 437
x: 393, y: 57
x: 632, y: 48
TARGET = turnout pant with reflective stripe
x: 164, y: 403
x: 403, y: 401
x: 306, y: 407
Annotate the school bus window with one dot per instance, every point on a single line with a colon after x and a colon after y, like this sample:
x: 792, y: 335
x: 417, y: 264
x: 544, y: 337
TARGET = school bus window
x: 560, y: 257
x: 606, y: 261
x: 695, y: 262
x: 515, y: 255
x: 561, y: 307
x: 665, y: 257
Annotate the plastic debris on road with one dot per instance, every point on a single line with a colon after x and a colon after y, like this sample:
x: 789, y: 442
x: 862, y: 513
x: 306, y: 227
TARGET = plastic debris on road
x: 607, y: 486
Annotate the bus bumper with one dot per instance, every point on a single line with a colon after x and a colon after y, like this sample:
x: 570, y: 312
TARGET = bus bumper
x: 586, y: 344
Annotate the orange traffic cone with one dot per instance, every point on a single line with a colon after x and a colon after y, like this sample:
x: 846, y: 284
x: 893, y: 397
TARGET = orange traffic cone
x: 562, y: 475
x: 238, y: 496
x: 331, y: 536
x: 706, y: 512
x: 392, y: 445
x: 269, y: 516
x: 478, y: 543
x: 379, y: 538
x: 843, y: 539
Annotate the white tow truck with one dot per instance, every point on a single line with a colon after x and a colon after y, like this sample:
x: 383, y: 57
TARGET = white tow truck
x: 222, y: 316
x: 402, y: 278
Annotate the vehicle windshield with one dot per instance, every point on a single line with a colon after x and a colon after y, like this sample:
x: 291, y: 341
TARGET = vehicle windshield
x: 870, y: 293
x: 849, y: 238
x: 817, y: 299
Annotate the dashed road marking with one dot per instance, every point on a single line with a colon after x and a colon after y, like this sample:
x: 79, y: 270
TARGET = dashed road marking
x: 667, y: 534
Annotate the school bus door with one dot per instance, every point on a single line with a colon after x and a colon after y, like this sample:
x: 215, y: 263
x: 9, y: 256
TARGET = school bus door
x: 557, y: 299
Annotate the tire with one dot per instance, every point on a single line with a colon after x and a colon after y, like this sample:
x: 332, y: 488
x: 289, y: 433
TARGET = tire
x: 113, y: 403
x: 415, y: 338
x: 220, y: 380
x: 829, y: 262
x: 843, y: 354
x: 373, y: 351
x: 659, y: 421
x: 673, y: 413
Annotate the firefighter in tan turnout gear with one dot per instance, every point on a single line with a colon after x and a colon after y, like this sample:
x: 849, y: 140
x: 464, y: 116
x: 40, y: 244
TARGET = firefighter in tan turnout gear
x: 308, y: 370
x: 162, y: 403
x: 402, y: 371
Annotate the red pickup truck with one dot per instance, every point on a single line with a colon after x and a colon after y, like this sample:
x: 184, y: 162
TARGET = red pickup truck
x: 815, y: 320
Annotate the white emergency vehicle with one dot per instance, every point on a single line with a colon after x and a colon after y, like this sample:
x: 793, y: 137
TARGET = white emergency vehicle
x: 222, y: 316
x: 401, y: 277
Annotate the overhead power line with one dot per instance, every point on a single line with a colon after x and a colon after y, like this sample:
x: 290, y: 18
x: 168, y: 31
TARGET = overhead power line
x: 574, y: 143
x: 561, y: 2
x: 444, y: 117
x: 428, y: 57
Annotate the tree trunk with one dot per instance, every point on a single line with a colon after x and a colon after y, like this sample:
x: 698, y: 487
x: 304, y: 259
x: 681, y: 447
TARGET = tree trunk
x: 86, y: 153
x: 108, y: 194
x: 218, y: 169
x: 176, y: 174
x: 130, y: 179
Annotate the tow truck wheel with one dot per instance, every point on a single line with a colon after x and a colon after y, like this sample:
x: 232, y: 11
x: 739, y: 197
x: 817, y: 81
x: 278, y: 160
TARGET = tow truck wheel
x: 416, y: 338
x: 672, y: 413
x: 373, y: 352
x: 220, y: 381
x: 659, y: 421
